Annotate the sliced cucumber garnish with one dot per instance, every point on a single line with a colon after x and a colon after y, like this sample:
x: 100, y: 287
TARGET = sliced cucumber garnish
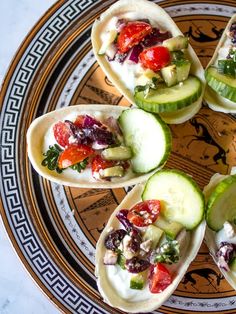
x: 167, y: 99
x: 148, y: 137
x: 224, y: 85
x: 181, y: 198
x: 221, y: 205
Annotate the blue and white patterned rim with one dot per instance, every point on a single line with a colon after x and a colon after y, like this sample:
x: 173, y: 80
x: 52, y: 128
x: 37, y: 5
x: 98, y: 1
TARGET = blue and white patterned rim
x: 11, y: 190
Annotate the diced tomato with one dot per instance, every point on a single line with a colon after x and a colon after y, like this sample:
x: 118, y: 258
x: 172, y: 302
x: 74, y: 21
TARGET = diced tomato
x: 62, y: 133
x: 144, y: 213
x: 155, y: 58
x: 99, y: 163
x: 159, y: 278
x: 131, y: 34
x: 74, y: 154
x: 79, y: 122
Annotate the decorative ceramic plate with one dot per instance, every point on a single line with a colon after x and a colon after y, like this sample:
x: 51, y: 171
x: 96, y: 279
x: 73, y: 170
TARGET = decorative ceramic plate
x: 53, y: 228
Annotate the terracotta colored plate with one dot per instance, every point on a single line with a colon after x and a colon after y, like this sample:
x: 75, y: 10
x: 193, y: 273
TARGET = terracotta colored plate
x: 54, y: 229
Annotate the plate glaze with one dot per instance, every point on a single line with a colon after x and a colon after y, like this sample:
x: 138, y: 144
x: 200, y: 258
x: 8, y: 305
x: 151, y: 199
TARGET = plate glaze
x: 53, y: 228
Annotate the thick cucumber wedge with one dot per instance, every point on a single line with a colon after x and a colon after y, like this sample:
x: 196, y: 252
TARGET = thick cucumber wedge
x: 222, y: 84
x: 181, y: 199
x: 221, y: 205
x: 148, y: 137
x: 168, y: 99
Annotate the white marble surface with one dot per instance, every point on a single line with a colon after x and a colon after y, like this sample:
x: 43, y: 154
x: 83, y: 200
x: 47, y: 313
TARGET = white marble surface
x: 18, y: 293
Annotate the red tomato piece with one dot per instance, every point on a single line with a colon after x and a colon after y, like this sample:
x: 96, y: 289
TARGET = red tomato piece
x: 74, y: 154
x: 62, y: 133
x: 159, y: 278
x: 155, y: 58
x: 131, y: 34
x: 79, y: 122
x: 98, y: 163
x: 144, y: 213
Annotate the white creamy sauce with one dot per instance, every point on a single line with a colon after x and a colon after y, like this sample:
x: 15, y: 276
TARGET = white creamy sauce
x: 85, y: 175
x: 120, y: 279
x: 226, y: 234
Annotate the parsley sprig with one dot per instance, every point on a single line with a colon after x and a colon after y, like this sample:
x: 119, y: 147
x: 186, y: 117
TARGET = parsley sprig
x: 52, y: 156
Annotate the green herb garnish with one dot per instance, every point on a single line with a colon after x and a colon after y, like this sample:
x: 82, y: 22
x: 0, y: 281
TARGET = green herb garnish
x: 51, y: 160
x: 146, y: 89
x: 167, y: 253
x: 52, y: 156
x: 80, y: 166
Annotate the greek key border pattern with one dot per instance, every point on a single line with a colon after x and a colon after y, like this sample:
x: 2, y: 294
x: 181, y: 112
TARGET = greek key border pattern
x: 20, y: 224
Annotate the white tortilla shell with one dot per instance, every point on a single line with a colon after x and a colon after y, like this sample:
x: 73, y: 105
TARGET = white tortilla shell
x: 151, y: 11
x: 107, y: 291
x: 210, y: 234
x: 35, y: 138
x: 215, y: 101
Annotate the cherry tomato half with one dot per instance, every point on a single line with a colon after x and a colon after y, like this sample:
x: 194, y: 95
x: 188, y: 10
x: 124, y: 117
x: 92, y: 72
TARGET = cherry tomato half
x: 159, y: 278
x: 62, y: 133
x: 144, y: 213
x: 99, y: 163
x: 131, y: 34
x: 74, y: 154
x: 155, y: 58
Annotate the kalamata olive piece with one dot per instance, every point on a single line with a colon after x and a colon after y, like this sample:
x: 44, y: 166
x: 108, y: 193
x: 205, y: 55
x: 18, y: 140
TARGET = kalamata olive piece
x: 136, y: 265
x: 122, y: 217
x: 113, y: 239
x: 136, y: 240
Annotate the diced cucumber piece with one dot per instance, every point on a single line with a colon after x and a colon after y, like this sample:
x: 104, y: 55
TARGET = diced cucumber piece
x: 117, y: 153
x: 224, y: 85
x: 175, y: 73
x: 171, y: 228
x: 227, y: 67
x: 221, y: 205
x: 148, y: 137
x: 177, y: 55
x: 116, y: 171
x: 167, y: 99
x: 107, y: 39
x: 232, y: 264
x: 182, y: 69
x: 137, y: 281
x: 121, y: 261
x: 176, y: 43
x: 146, y: 77
x: 169, y: 75
x: 154, y: 234
x: 181, y: 198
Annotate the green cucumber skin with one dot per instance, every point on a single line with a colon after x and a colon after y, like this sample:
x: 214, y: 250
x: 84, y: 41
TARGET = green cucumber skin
x: 221, y: 83
x: 217, y: 193
x: 191, y: 181
x: 168, y: 106
x: 168, y: 140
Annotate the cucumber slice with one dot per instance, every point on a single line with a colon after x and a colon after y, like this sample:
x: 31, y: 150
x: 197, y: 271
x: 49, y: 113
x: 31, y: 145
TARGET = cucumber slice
x: 227, y: 67
x: 181, y: 199
x: 148, y: 137
x: 222, y: 84
x: 221, y: 205
x: 167, y: 99
x: 182, y: 69
x: 169, y: 75
x: 117, y: 153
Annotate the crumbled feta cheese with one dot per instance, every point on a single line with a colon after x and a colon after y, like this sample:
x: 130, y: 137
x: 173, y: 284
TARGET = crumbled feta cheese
x: 110, y: 258
x: 229, y: 230
x: 72, y: 140
x: 146, y: 246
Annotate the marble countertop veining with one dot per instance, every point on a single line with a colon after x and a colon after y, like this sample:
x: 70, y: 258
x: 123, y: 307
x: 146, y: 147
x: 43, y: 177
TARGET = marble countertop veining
x: 18, y: 292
